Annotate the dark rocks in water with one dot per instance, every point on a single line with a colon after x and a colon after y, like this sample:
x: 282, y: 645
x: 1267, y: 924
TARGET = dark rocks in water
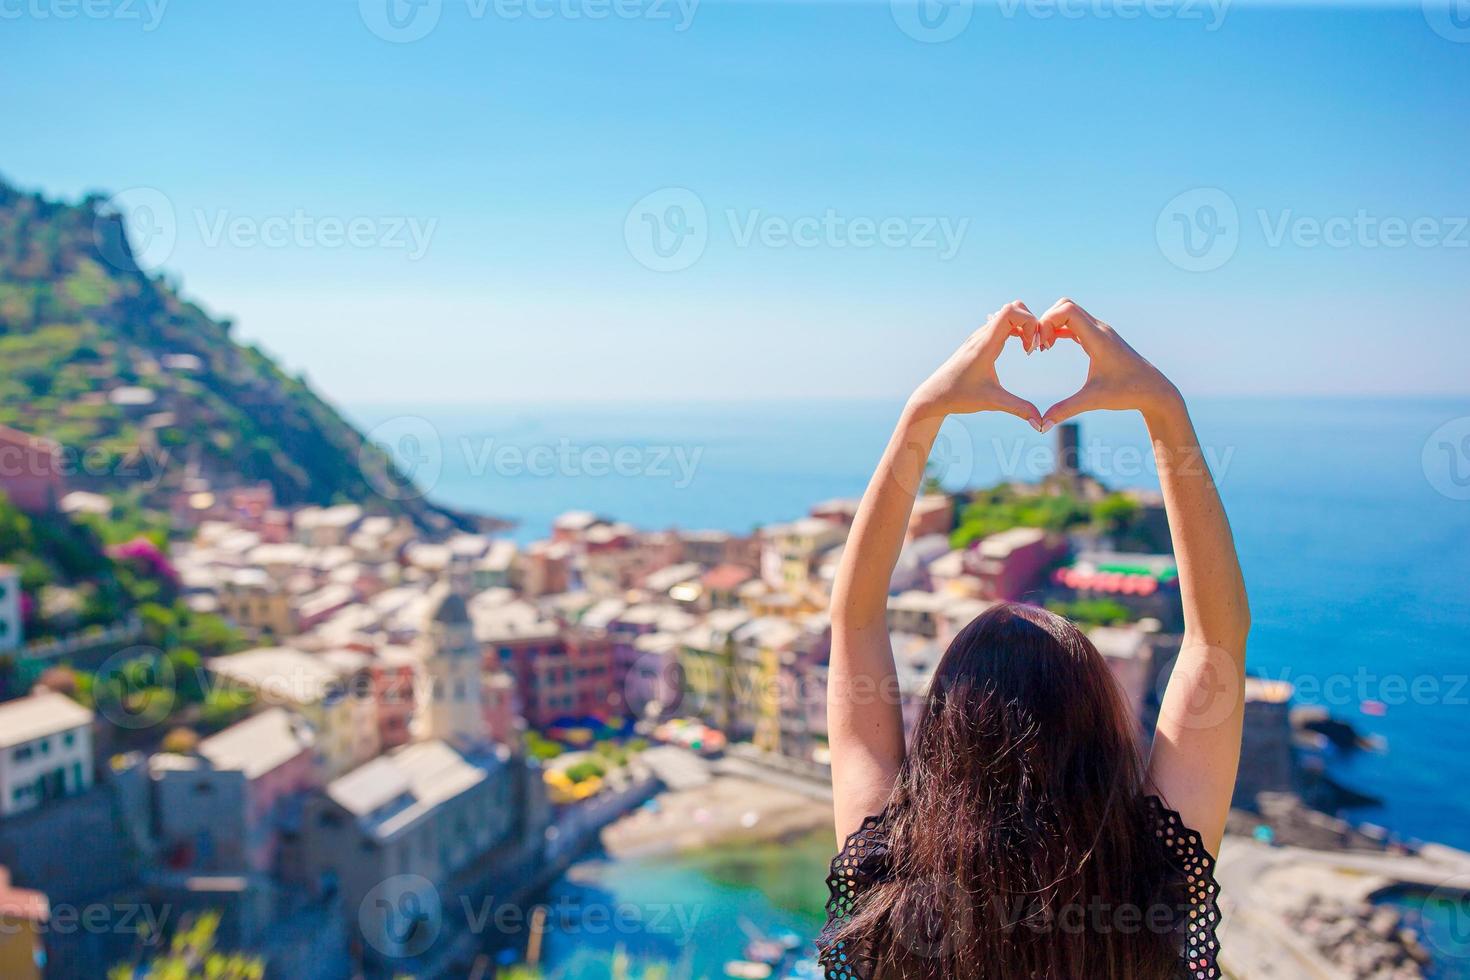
x: 1325, y: 793
x: 1339, y: 733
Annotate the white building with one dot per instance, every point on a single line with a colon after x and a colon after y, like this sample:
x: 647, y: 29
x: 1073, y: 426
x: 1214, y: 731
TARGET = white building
x: 10, y: 624
x: 45, y: 751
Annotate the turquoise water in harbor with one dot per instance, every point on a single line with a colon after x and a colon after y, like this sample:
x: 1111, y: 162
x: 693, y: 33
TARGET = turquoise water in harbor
x: 1355, y: 545
x: 1443, y: 922
x: 691, y: 910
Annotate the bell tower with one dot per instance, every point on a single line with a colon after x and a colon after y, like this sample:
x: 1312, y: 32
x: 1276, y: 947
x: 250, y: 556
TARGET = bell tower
x: 455, y: 704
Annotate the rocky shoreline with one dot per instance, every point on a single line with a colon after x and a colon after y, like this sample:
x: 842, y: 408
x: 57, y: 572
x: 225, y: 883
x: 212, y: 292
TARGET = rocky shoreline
x: 1373, y: 942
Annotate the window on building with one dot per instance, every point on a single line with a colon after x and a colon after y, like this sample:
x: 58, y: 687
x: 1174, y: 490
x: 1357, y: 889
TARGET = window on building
x: 23, y: 753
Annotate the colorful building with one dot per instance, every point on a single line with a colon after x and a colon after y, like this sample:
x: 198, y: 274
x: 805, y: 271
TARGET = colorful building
x: 224, y: 808
x: 343, y: 717
x: 24, y: 914
x: 790, y: 552
x: 30, y: 471
x: 12, y: 626
x: 933, y: 513
x: 707, y: 660
x: 1011, y: 563
x: 45, y: 751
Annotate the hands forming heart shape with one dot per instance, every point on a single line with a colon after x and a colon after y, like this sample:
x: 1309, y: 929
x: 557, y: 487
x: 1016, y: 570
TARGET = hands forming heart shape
x: 1118, y: 377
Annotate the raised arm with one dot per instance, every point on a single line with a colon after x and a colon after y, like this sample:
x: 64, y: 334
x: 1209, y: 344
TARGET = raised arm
x: 1196, y: 748
x: 864, y: 718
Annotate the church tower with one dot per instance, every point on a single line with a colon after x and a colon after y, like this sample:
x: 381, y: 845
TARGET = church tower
x: 455, y: 706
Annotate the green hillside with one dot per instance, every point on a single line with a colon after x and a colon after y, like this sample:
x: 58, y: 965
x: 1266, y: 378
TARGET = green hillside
x: 112, y: 363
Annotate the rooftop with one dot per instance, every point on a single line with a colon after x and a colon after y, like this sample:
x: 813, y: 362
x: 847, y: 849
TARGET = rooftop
x: 283, y: 673
x: 1002, y: 543
x: 46, y: 713
x: 724, y: 577
x: 395, y: 791
x: 260, y: 744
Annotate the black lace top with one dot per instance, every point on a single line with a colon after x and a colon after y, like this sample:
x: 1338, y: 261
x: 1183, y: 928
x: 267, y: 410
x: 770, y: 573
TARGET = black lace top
x: 863, y: 861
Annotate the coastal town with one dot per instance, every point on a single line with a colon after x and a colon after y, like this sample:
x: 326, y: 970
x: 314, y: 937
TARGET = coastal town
x: 404, y: 725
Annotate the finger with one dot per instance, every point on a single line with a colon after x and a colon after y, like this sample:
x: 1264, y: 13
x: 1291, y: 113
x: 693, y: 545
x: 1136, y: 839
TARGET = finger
x: 1019, y: 407
x: 1067, y: 319
x: 1073, y: 405
x: 1046, y: 334
x: 1019, y: 321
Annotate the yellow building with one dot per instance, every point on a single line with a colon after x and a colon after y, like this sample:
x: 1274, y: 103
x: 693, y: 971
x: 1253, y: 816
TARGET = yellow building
x: 256, y: 603
x: 342, y: 713
x: 789, y: 552
x: 758, y: 648
x: 706, y: 658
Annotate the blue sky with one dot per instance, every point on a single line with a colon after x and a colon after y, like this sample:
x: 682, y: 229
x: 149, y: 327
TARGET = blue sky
x: 856, y: 197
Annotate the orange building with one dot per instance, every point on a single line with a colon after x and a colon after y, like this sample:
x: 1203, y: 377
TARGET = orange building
x: 23, y: 914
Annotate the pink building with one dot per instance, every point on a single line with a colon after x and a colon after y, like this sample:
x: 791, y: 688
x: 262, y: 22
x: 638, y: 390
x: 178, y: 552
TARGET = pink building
x: 221, y: 809
x: 502, y: 707
x: 1011, y: 563
x: 933, y: 513
x: 393, y: 671
x: 30, y: 470
x: 546, y: 568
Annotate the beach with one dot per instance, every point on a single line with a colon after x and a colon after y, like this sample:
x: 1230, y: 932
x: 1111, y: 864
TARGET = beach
x: 727, y: 810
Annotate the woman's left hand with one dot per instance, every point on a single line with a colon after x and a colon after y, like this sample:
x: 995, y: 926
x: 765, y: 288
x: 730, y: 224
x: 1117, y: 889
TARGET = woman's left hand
x: 967, y: 382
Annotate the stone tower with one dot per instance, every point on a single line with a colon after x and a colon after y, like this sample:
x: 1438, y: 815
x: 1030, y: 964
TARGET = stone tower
x: 455, y: 707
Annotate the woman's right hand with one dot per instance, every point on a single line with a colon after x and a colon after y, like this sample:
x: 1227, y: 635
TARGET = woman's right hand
x: 1118, y: 377
x: 967, y: 381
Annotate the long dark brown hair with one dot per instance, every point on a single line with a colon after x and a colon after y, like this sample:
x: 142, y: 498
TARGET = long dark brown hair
x: 1019, y: 835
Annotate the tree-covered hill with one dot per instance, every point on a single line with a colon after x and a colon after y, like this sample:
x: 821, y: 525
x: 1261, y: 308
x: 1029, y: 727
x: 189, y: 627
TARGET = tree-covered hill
x: 116, y: 366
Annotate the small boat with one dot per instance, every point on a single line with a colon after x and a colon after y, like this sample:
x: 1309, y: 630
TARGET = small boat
x: 746, y: 970
x: 767, y: 951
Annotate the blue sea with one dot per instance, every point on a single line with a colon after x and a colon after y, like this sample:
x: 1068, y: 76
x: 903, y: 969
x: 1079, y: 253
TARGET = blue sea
x: 1351, y: 517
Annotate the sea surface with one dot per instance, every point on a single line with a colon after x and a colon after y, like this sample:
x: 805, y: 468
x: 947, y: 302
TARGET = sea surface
x: 1352, y: 518
x: 694, y: 911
